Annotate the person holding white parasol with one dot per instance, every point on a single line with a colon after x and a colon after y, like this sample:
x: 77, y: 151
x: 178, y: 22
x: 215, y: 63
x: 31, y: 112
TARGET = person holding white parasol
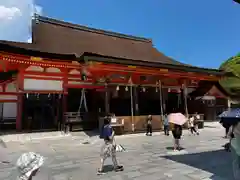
x: 177, y: 119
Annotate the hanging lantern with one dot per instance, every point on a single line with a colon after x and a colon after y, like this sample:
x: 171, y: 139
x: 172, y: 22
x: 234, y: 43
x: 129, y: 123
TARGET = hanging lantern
x: 126, y: 88
x: 143, y: 89
x: 59, y: 96
x: 49, y: 95
x: 27, y: 95
x: 117, y: 88
x: 156, y: 89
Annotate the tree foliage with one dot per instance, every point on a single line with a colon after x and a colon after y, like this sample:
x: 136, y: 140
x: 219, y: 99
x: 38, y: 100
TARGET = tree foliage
x: 231, y: 83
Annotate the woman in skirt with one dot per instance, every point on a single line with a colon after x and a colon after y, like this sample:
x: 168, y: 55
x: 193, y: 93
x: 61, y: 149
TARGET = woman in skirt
x: 109, y: 147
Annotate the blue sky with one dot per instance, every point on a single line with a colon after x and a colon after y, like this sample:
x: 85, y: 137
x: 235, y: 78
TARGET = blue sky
x: 197, y: 32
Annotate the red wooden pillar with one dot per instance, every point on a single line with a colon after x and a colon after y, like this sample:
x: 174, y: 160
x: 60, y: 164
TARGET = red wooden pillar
x: 19, y: 112
x: 19, y: 88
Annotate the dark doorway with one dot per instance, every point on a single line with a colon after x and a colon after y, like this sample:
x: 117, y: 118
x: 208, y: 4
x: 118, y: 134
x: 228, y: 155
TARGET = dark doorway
x: 42, y: 111
x: 120, y: 102
x: 149, y: 101
x: 174, y: 102
x: 89, y: 110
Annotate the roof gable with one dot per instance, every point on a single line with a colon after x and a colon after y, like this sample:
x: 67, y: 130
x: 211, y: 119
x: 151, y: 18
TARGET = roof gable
x: 214, y: 91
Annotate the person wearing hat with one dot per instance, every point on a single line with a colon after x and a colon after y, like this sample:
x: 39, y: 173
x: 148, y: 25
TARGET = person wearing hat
x: 28, y: 165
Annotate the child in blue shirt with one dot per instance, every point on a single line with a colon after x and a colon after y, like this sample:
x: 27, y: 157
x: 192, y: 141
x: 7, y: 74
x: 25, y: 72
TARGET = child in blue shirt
x: 109, y: 147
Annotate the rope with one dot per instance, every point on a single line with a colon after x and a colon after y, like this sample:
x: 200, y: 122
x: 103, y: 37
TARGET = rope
x: 83, y: 101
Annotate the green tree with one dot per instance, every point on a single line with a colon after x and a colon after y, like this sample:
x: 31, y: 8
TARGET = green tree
x: 231, y: 83
x: 237, y: 1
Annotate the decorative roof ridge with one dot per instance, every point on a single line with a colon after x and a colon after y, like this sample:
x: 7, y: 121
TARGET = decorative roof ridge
x: 49, y: 20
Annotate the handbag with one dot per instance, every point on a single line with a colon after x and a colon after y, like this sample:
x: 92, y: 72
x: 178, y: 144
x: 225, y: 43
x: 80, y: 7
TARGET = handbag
x: 118, y: 147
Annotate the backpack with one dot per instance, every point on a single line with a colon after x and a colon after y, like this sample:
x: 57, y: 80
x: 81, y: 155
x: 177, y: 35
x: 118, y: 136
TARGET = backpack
x: 107, y: 132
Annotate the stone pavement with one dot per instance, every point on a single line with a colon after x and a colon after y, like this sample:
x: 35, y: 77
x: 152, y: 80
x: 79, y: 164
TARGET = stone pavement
x: 146, y: 158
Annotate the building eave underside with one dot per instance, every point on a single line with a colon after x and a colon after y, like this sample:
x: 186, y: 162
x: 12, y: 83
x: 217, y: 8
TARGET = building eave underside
x: 109, y: 59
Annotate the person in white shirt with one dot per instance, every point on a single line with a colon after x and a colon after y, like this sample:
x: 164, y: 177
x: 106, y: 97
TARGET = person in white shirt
x: 196, y: 121
x: 191, y: 124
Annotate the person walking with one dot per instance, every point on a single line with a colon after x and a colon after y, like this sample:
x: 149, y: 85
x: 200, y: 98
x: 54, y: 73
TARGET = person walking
x: 177, y: 133
x: 191, y: 124
x: 149, y: 125
x: 166, y: 125
x: 196, y: 121
x: 230, y: 136
x: 226, y: 126
x: 109, y: 147
x: 28, y: 165
x: 235, y: 150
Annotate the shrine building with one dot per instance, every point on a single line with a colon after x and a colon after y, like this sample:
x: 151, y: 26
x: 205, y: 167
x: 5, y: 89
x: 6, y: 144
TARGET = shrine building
x: 91, y: 72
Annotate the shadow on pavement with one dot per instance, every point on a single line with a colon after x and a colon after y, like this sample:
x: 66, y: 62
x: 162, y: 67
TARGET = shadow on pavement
x: 108, y: 168
x: 86, y: 133
x: 216, y: 162
x: 172, y: 148
x: 214, y: 127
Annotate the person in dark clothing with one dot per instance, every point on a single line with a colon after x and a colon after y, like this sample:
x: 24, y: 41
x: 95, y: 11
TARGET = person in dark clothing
x: 106, y: 119
x: 149, y: 125
x: 227, y: 130
x: 177, y: 133
x: 230, y: 135
x: 166, y: 125
x: 226, y: 126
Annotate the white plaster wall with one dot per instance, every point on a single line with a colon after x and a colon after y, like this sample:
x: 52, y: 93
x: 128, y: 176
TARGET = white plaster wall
x: 35, y: 68
x: 52, y: 69
x: 8, y: 97
x: 10, y: 110
x: 74, y: 71
x: 44, y: 85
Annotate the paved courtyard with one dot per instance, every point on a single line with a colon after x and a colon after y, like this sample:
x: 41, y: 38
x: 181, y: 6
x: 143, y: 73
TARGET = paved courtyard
x: 146, y: 158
